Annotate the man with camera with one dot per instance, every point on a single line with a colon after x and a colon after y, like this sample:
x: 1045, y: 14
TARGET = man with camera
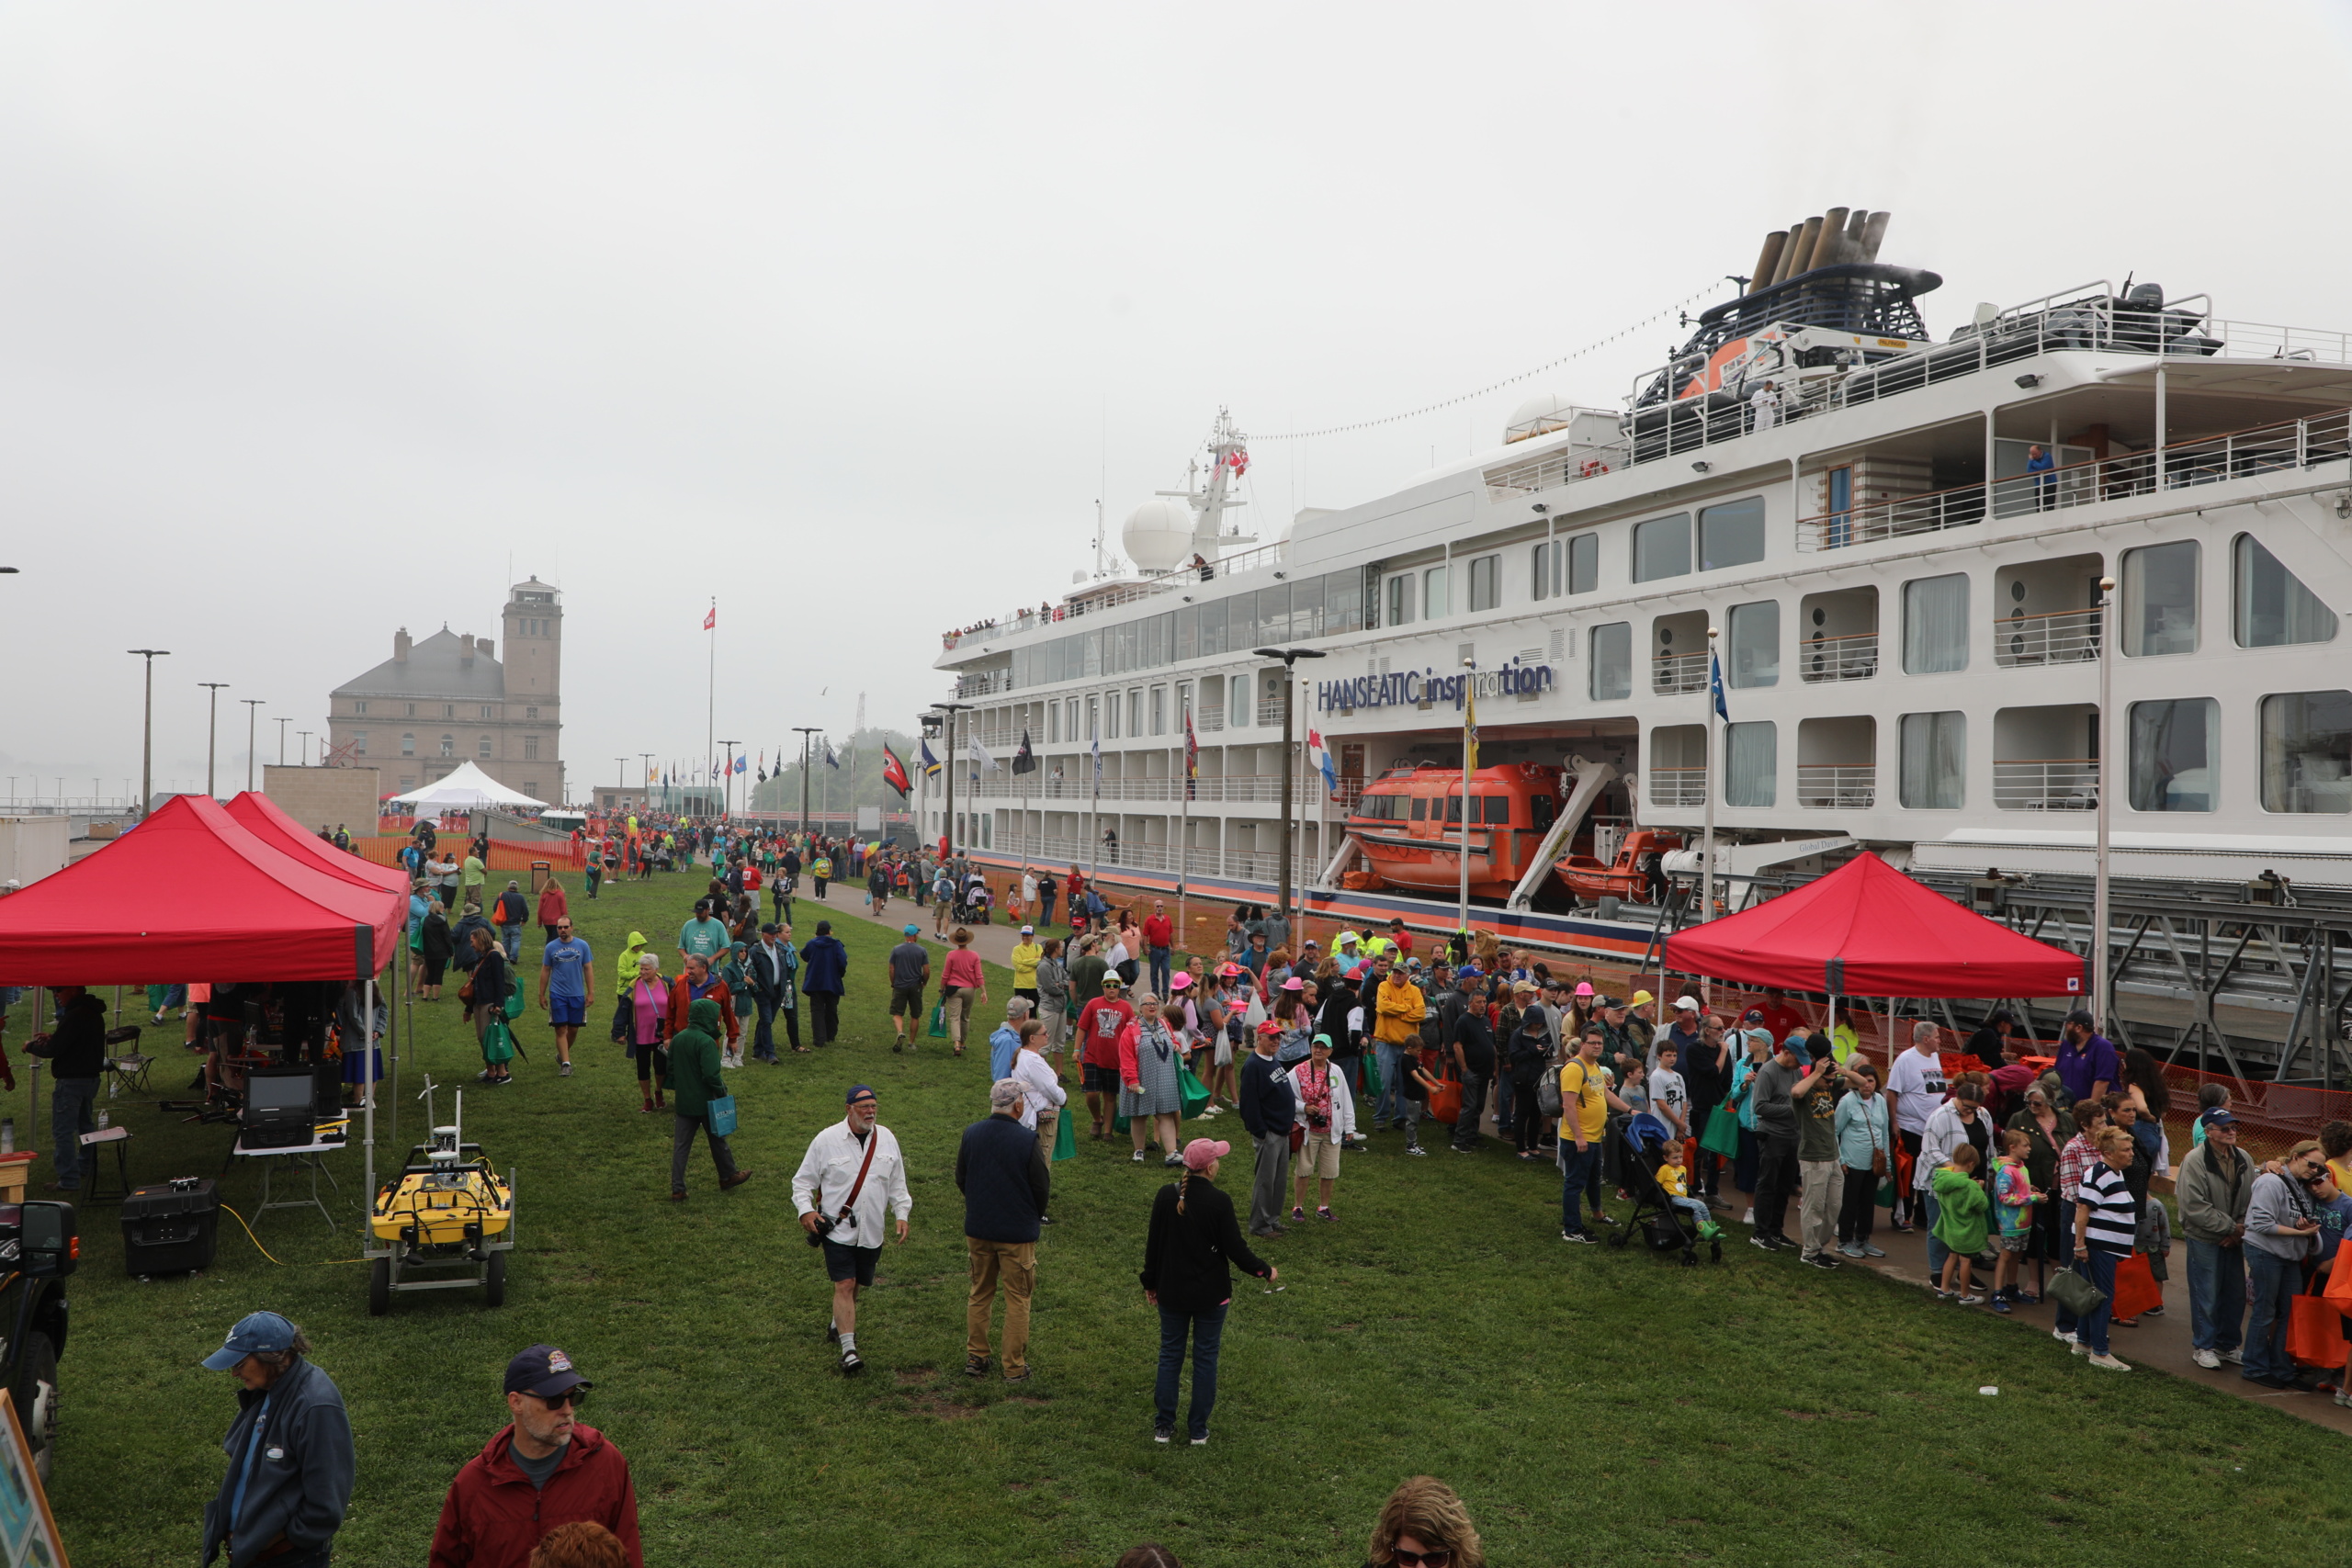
x: 851, y: 1175
x: 544, y: 1470
x: 291, y: 1464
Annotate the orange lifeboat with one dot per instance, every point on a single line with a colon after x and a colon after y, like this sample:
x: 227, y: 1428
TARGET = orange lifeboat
x: 1623, y: 878
x: 1409, y: 823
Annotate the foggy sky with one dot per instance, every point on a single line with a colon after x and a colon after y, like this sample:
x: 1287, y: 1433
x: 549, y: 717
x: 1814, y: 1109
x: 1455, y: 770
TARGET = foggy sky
x: 314, y: 318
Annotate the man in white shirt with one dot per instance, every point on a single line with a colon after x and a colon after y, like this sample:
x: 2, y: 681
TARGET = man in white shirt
x: 852, y: 1172
x: 1914, y: 1086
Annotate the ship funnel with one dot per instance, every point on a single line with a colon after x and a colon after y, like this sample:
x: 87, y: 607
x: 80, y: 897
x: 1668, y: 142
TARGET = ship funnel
x: 1873, y: 234
x: 1833, y: 229
x: 1767, y: 260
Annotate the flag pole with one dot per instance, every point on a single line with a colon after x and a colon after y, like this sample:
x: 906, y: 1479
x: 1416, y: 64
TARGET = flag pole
x: 1185, y: 816
x: 1469, y: 761
x: 1707, y: 850
x: 710, y: 711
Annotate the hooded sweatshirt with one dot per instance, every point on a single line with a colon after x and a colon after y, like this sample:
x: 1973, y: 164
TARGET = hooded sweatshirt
x: 625, y: 971
x: 1960, y: 1210
x: 693, y: 1060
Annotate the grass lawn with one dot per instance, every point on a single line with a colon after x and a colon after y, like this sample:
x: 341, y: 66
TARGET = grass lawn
x: 1594, y: 1406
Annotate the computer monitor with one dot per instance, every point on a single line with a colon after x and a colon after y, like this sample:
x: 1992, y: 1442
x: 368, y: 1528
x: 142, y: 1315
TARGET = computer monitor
x: 278, y: 1089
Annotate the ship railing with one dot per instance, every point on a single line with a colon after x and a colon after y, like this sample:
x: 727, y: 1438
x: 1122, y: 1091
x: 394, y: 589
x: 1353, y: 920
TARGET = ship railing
x: 2053, y: 637
x: 2068, y: 784
x: 1230, y: 788
x: 1678, y: 786
x: 1034, y: 618
x: 2212, y: 460
x: 1207, y: 721
x: 1852, y: 657
x: 1270, y: 712
x: 1671, y: 673
x: 1242, y: 865
x: 1837, y: 785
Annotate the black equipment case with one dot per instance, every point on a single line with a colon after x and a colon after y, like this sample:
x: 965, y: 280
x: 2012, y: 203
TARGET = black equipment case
x: 171, y: 1229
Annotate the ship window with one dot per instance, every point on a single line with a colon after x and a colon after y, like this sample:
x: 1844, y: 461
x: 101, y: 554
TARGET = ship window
x: 2172, y: 753
x: 1751, y: 762
x: 1732, y: 534
x: 1400, y: 599
x: 1584, y: 562
x: 1934, y: 761
x: 1433, y: 592
x: 1610, y: 676
x: 1935, y: 625
x: 1159, y: 710
x: 2270, y: 605
x: 1344, y: 602
x: 1662, y: 548
x: 2307, y: 752
x: 1453, y: 808
x: 1485, y: 583
x: 1755, y: 644
x: 1110, y: 716
x: 1543, y: 571
x: 1421, y: 809
x: 1541, y: 807
x: 1274, y: 614
x: 1211, y: 619
x: 1497, y: 808
x: 1134, y: 710
x: 2160, y: 601
x: 1238, y: 690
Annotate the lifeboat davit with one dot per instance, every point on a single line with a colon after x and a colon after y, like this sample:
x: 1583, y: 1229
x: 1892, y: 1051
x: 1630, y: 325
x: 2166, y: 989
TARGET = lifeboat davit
x: 1626, y: 878
x: 1409, y: 823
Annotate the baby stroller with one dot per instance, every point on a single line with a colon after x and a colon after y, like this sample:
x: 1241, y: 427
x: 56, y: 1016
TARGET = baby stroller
x: 975, y: 906
x: 1659, y: 1221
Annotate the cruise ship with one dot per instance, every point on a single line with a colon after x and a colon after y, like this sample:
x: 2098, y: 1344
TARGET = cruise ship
x: 1894, y: 543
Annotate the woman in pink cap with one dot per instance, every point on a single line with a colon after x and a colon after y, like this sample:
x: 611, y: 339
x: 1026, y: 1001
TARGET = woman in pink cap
x: 1187, y: 1273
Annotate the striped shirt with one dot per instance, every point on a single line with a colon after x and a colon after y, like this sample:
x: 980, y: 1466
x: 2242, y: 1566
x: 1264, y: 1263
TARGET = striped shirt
x: 2114, y: 1222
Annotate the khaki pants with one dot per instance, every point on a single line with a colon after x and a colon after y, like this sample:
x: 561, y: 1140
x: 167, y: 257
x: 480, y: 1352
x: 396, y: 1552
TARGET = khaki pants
x: 958, y: 1003
x: 1015, y: 1262
x: 1046, y: 1118
x: 1818, y: 1206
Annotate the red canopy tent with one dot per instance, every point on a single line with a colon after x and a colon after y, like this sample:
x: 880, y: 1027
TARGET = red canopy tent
x: 1867, y: 929
x: 192, y: 893
x: 267, y: 821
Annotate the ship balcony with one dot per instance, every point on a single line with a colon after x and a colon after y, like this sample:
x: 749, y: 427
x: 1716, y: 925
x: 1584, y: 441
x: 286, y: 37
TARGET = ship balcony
x: 2064, y: 783
x: 1672, y: 673
x: 1208, y: 720
x: 1847, y: 786
x: 1270, y: 713
x: 2053, y: 637
x: 1853, y: 657
x: 1678, y: 786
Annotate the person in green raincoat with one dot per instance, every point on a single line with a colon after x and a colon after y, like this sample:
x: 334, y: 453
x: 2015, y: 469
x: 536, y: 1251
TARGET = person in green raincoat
x: 695, y: 1082
x: 624, y: 977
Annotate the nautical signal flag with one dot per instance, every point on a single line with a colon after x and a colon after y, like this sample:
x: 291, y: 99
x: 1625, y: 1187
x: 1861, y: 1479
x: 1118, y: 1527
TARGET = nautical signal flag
x: 894, y: 772
x: 930, y: 762
x: 1716, y: 686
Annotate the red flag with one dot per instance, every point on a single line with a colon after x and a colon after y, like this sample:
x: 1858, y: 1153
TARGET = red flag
x: 710, y: 622
x: 894, y: 772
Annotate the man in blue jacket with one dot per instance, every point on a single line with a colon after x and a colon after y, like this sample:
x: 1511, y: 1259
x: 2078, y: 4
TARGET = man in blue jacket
x: 289, y: 1452
x: 824, y: 980
x: 1266, y: 1107
x: 1000, y: 1169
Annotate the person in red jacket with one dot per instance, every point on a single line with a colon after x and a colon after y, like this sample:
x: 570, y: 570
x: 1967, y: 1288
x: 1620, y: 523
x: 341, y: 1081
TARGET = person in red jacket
x: 543, y: 1469
x: 553, y: 906
x: 696, y: 983
x: 1159, y: 940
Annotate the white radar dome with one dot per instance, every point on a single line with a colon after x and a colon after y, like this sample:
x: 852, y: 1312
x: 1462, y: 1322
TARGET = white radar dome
x: 1538, y: 415
x: 1158, y: 536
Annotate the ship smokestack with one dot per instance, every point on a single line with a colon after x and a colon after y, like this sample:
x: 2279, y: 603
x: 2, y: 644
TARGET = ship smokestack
x: 1789, y: 253
x: 1767, y: 261
x: 1873, y: 234
x: 1833, y: 228
x: 1808, y: 242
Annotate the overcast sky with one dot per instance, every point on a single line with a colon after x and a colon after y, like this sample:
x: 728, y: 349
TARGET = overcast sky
x: 314, y: 318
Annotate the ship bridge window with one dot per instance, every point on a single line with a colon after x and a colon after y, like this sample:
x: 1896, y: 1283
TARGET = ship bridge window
x: 2160, y: 601
x: 1662, y: 548
x: 2307, y: 752
x: 2173, y: 754
x: 1732, y: 534
x: 1402, y: 597
x: 1434, y: 602
x: 1565, y: 566
x: 1610, y: 676
x: 2270, y: 605
x: 1485, y: 583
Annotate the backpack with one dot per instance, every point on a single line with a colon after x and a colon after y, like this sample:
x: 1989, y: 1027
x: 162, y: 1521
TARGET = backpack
x: 1547, y: 1092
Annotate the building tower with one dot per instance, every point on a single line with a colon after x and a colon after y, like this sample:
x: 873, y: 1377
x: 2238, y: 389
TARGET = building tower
x: 534, y: 690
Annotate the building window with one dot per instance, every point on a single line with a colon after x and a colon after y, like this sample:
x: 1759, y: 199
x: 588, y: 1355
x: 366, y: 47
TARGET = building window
x: 408, y: 745
x: 408, y: 781
x: 530, y: 748
x: 484, y: 748
x: 359, y: 742
x: 448, y: 710
x: 1751, y: 762
x: 1486, y: 583
x: 1935, y: 625
x: 530, y: 713
x: 1434, y: 591
x: 1662, y: 548
x: 359, y: 707
x: 2307, y: 752
x: 1732, y: 534
x: 485, y: 710
x: 1755, y: 644
x: 1159, y: 710
x: 2172, y: 753
x: 1934, y: 761
x: 531, y: 786
x: 448, y: 745
x: 1610, y: 675
x: 2270, y: 606
x: 2160, y: 601
x: 411, y: 711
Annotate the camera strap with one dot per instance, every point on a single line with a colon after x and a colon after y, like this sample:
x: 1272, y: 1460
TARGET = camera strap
x: 873, y: 1140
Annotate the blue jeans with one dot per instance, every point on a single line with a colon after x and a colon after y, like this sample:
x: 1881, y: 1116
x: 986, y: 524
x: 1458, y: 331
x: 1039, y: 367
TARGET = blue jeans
x: 1159, y: 973
x: 511, y: 937
x: 2090, y: 1330
x: 69, y: 1118
x: 2271, y: 1284
x: 2216, y: 1296
x: 1936, y: 1251
x: 1208, y: 1329
x: 1577, y: 1168
x: 763, y: 1032
x: 1392, y: 1073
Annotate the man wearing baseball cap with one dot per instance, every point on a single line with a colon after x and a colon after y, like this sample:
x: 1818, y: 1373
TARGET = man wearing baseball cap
x: 852, y: 1173
x: 543, y: 1469
x: 910, y: 972
x: 289, y: 1452
x: 1159, y: 942
x: 1027, y: 953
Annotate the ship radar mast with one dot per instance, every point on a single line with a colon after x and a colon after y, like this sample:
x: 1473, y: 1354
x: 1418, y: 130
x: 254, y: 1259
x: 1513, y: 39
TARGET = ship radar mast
x: 1228, y: 457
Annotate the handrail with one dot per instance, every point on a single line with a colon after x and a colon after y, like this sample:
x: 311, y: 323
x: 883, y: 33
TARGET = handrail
x: 1837, y: 784
x: 2046, y: 783
x: 1025, y: 620
x: 1671, y: 673
x: 1850, y: 656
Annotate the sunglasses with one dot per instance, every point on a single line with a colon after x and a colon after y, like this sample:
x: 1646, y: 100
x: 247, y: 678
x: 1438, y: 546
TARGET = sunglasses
x: 579, y: 1396
x: 1438, y: 1558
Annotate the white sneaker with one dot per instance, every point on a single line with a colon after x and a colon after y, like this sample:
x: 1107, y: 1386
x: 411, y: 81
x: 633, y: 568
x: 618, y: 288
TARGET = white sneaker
x: 2207, y: 1359
x: 1749, y: 1218
x: 2235, y: 1358
x: 2061, y: 1335
x: 2081, y: 1348
x: 2110, y: 1364
x: 1972, y: 1301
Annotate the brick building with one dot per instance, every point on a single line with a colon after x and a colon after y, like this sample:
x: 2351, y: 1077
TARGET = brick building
x: 448, y: 699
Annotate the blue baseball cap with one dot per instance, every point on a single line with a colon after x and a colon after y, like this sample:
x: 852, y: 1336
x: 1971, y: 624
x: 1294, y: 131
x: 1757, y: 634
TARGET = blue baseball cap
x: 543, y: 1372
x: 913, y: 930
x: 858, y: 1092
x: 261, y: 1333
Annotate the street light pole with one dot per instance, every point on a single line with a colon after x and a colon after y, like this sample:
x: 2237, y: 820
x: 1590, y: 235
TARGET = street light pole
x: 804, y: 731
x: 211, y: 734
x: 147, y: 745
x: 252, y: 720
x: 1290, y: 658
x: 281, y: 724
x: 306, y: 735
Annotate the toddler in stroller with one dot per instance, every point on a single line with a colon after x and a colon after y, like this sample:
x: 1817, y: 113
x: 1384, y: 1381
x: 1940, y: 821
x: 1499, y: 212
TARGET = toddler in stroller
x: 1663, y: 1212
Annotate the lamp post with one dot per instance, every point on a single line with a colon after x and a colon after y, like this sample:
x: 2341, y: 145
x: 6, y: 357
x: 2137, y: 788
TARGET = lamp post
x: 948, y: 757
x: 281, y: 724
x: 211, y: 734
x: 306, y: 735
x: 147, y: 745
x: 804, y: 731
x: 726, y: 783
x: 252, y: 720
x: 2101, y: 916
x: 1290, y: 658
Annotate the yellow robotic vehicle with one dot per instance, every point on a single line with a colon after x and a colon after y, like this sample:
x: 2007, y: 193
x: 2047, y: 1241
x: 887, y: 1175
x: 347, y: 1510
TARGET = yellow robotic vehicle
x: 448, y: 1216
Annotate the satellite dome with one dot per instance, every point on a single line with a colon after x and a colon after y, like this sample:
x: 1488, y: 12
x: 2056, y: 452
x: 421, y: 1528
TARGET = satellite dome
x: 1158, y: 536
x: 1538, y: 415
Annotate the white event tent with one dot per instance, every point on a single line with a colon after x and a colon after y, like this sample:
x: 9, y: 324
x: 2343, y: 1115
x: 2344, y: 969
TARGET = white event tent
x: 466, y: 789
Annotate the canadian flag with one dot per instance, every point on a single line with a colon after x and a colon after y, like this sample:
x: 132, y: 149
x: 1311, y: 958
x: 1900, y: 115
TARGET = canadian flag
x: 710, y: 622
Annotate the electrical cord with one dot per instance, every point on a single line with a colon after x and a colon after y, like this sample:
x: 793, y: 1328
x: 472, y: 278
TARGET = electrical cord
x: 279, y: 1261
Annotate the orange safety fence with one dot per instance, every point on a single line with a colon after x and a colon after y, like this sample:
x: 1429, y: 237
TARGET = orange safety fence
x: 505, y: 854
